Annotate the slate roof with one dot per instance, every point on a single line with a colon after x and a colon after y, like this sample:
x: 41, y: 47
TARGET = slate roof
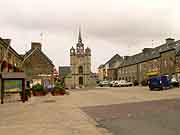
x: 178, y: 50
x: 64, y: 71
x: 114, y: 58
x: 151, y: 54
x: 147, y: 54
x: 101, y: 66
x: 110, y: 61
x: 6, y: 43
x: 27, y: 54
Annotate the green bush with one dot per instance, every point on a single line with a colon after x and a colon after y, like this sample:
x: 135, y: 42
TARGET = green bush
x: 59, y: 88
x: 37, y: 87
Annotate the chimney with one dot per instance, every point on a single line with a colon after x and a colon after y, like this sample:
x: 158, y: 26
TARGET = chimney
x: 7, y: 41
x: 126, y: 57
x: 35, y: 45
x: 169, y: 40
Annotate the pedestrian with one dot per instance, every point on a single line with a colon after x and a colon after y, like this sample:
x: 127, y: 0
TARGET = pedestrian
x: 49, y: 87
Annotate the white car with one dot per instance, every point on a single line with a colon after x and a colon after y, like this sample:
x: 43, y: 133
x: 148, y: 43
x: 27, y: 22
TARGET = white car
x: 124, y: 83
x: 104, y: 83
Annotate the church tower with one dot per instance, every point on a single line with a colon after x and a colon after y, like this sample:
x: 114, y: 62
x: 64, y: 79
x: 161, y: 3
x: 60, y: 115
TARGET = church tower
x: 80, y: 61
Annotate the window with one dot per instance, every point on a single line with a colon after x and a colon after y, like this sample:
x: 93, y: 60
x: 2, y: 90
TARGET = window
x: 80, y: 70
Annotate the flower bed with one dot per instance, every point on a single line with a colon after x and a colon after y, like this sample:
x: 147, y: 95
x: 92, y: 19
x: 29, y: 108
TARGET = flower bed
x: 58, y: 90
x: 39, y: 93
x: 38, y: 90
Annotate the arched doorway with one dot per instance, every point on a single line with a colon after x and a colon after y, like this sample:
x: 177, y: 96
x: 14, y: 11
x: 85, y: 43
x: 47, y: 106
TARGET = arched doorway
x: 80, y: 80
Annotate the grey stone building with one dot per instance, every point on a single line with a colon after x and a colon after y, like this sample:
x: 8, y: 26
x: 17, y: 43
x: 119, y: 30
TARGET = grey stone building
x: 10, y: 60
x: 37, y: 66
x: 160, y: 60
x: 108, y: 71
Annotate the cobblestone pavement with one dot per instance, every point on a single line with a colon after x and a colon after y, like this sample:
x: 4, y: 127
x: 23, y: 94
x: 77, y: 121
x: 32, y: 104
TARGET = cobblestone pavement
x: 63, y: 115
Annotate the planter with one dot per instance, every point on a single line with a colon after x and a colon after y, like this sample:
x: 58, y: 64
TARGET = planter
x: 39, y: 93
x: 38, y: 90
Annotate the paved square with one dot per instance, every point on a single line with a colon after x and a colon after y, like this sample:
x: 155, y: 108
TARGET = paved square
x: 63, y: 114
x: 143, y: 118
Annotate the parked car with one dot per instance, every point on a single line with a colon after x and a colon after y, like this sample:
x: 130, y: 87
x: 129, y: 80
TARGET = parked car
x: 112, y: 83
x: 159, y: 82
x: 155, y: 83
x: 104, y: 83
x: 174, y: 82
x: 166, y: 82
x: 124, y: 83
x: 129, y: 84
x: 116, y: 84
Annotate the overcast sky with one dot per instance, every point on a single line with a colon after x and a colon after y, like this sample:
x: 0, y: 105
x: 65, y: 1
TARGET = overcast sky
x: 108, y: 26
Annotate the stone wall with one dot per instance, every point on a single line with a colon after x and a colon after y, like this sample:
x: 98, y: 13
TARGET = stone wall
x: 128, y: 73
x: 37, y: 66
x: 168, y: 60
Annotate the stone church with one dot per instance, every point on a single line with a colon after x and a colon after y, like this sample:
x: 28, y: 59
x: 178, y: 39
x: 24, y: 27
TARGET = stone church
x: 80, y: 66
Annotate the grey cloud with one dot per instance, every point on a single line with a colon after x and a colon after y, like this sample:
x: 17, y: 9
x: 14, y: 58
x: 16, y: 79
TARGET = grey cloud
x: 111, y: 24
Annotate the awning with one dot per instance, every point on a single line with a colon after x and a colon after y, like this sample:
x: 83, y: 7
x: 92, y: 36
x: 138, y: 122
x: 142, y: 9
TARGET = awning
x: 45, y: 75
x: 13, y: 75
x: 152, y: 73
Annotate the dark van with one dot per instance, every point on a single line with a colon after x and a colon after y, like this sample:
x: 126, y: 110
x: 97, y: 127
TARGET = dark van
x: 159, y: 82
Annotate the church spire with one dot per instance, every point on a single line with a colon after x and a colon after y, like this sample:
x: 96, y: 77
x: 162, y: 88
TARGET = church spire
x: 80, y: 45
x: 79, y: 37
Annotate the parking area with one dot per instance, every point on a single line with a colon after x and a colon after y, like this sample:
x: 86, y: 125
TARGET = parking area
x: 118, y: 95
x: 80, y: 113
x: 143, y: 118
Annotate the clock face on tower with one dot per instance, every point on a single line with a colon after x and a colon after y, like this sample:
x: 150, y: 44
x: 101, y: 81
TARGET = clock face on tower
x: 80, y: 50
x: 72, y: 51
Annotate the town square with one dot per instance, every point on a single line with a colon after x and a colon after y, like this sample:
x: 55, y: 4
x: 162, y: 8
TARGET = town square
x: 89, y: 67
